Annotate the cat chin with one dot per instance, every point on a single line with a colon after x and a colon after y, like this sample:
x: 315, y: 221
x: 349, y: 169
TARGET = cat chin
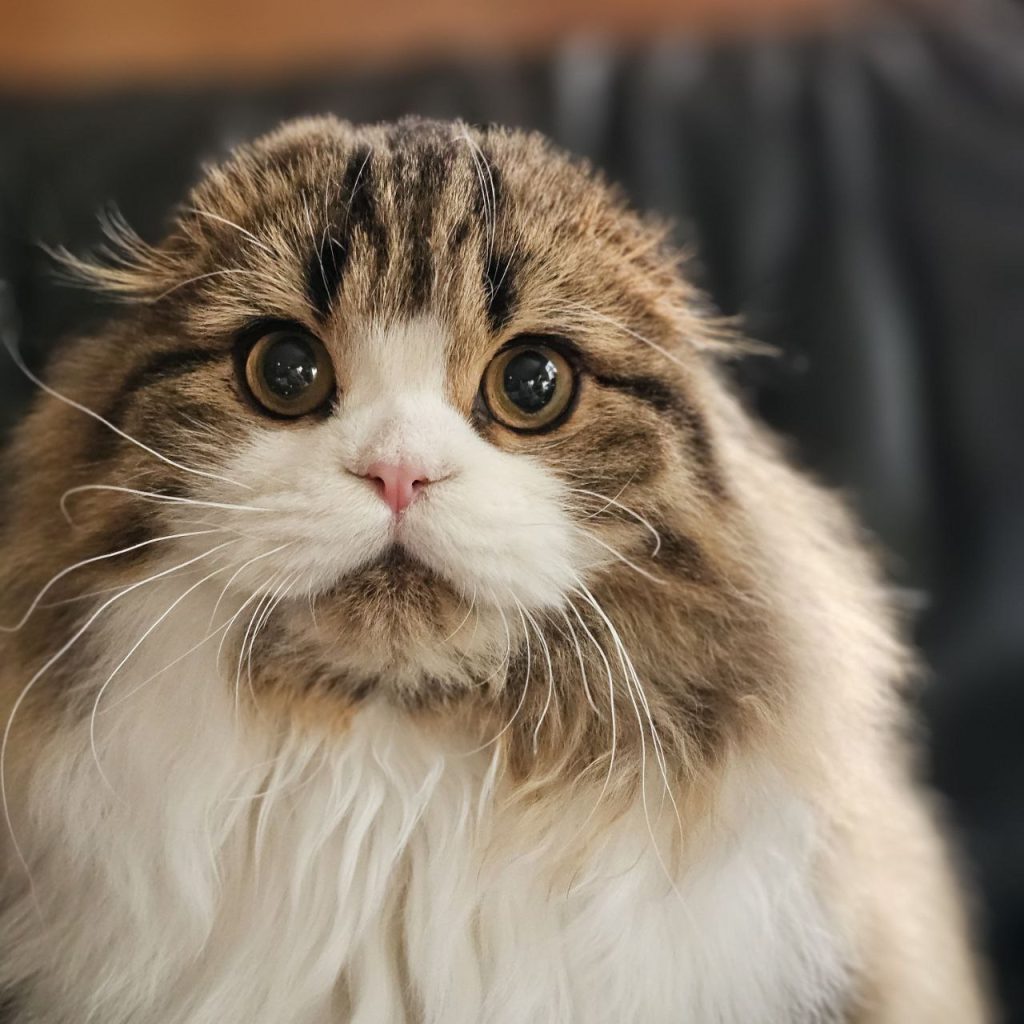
x: 393, y: 629
x: 397, y: 584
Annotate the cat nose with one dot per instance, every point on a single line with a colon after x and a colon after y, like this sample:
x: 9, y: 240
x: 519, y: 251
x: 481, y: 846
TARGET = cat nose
x: 398, y: 483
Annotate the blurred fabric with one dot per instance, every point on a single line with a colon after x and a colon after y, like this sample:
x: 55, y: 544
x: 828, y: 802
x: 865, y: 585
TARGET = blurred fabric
x: 858, y: 200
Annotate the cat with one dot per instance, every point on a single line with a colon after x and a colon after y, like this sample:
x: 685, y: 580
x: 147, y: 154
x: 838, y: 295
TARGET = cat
x: 406, y: 622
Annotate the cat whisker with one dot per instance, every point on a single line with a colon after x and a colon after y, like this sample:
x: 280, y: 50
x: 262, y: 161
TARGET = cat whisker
x: 176, y: 661
x: 551, y: 677
x: 231, y: 224
x: 239, y: 571
x: 264, y: 609
x: 264, y: 598
x: 171, y: 499
x: 507, y: 658
x: 632, y: 679
x: 279, y: 595
x: 579, y: 657
x: 488, y: 196
x: 257, y: 594
x: 311, y: 597
x: 526, y: 683
x: 359, y: 178
x: 46, y: 666
x: 138, y: 643
x: 508, y: 261
x: 626, y: 329
x: 607, y: 501
x: 208, y: 428
x: 318, y: 249
x: 627, y: 562
x: 476, y: 621
x: 37, y: 600
x: 472, y: 604
x: 614, y: 502
x: 12, y: 349
x: 223, y: 272
x: 611, y: 708
x: 99, y: 592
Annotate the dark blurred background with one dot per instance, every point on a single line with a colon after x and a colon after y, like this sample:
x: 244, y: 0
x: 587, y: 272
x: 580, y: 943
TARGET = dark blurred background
x: 851, y: 177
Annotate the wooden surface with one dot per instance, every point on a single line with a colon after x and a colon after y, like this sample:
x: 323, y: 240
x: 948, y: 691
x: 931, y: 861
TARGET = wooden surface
x: 70, y: 44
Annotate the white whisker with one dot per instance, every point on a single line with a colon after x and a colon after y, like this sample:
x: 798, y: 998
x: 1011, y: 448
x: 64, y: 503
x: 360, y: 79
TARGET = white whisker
x: 89, y: 561
x: 154, y: 496
x: 526, y: 684
x: 625, y: 508
x: 138, y: 643
x: 579, y: 657
x: 632, y: 678
x: 551, y: 677
x: 223, y: 272
x: 627, y: 562
x: 661, y: 350
x: 47, y: 665
x: 239, y: 571
x: 611, y: 707
x: 15, y: 355
x: 279, y: 595
x: 231, y: 224
x: 465, y: 619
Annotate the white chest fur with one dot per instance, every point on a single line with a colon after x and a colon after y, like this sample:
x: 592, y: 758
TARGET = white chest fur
x: 214, y: 875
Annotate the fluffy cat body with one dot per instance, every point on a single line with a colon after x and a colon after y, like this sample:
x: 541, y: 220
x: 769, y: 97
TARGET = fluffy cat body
x: 332, y: 856
x: 604, y: 727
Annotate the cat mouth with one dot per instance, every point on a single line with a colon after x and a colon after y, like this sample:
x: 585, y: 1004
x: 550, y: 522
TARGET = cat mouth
x: 392, y: 598
x: 400, y: 568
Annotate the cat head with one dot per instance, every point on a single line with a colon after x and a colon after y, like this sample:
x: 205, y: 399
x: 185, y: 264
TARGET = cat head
x: 444, y: 400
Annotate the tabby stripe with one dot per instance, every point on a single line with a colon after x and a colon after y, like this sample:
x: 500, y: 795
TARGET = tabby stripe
x: 167, y: 365
x: 133, y: 525
x: 362, y: 214
x: 427, y: 185
x: 665, y: 400
x: 324, y: 273
x: 328, y: 262
x: 160, y: 367
x: 682, y: 555
x: 500, y: 267
x: 502, y: 293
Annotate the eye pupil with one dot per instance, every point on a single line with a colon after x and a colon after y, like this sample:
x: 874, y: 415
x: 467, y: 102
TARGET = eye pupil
x: 289, y: 367
x: 530, y: 380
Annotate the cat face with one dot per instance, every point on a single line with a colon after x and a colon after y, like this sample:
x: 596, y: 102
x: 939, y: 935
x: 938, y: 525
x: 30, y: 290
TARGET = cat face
x: 436, y: 388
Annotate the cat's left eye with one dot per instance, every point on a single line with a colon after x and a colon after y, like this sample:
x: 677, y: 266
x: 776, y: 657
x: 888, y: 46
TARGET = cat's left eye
x: 529, y: 386
x: 289, y: 373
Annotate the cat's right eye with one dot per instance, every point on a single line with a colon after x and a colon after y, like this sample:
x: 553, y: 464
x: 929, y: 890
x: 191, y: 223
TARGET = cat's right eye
x: 289, y: 373
x: 529, y: 386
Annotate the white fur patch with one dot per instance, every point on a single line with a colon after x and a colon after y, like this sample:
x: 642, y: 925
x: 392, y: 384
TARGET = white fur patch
x: 494, y: 524
x: 219, y: 871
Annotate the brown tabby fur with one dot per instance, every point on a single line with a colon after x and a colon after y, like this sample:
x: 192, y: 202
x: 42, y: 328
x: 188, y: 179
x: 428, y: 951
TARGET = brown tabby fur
x: 739, y: 647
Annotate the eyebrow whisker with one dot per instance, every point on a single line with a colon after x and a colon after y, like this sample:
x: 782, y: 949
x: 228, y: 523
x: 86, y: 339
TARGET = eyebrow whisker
x: 231, y: 224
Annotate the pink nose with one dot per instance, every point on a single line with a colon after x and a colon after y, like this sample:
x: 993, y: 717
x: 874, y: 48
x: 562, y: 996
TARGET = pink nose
x: 397, y: 483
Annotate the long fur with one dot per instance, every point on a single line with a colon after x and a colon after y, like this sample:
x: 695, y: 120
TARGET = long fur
x: 608, y: 726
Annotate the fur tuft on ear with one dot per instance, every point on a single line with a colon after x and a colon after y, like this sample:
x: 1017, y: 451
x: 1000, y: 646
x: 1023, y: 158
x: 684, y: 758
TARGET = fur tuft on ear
x: 124, y: 267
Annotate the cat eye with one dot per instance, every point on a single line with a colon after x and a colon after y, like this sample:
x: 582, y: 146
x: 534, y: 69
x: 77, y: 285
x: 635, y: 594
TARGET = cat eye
x: 528, y: 386
x: 289, y: 373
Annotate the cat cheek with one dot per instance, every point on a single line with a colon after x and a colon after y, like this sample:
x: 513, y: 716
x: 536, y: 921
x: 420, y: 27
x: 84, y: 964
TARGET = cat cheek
x: 503, y: 535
